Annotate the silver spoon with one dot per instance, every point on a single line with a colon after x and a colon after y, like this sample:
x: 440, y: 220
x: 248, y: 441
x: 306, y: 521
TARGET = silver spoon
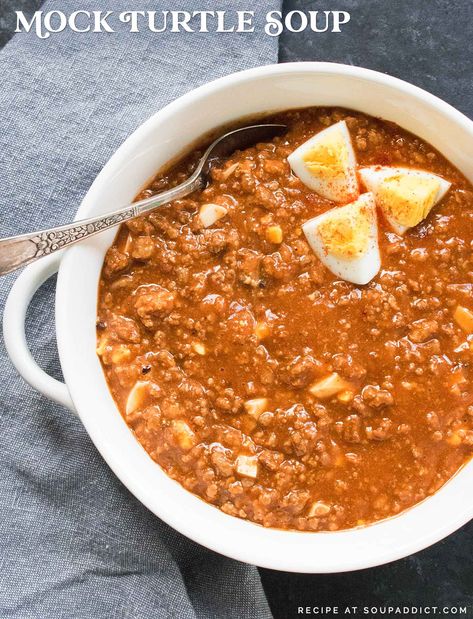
x: 18, y: 251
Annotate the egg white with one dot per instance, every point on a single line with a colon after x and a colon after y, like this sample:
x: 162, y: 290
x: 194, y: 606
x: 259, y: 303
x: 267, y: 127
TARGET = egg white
x: 341, y: 190
x: 373, y: 176
x: 359, y: 270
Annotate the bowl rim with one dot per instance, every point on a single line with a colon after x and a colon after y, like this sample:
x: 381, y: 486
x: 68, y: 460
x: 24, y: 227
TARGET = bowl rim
x: 234, y: 548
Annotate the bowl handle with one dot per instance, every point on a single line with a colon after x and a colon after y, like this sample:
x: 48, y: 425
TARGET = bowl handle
x: 14, y: 336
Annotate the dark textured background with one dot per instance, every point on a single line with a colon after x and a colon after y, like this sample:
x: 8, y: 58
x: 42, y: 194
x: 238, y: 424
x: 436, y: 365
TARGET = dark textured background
x: 428, y: 43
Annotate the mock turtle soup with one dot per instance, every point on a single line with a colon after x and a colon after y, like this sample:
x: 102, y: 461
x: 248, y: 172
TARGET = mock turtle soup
x: 294, y: 343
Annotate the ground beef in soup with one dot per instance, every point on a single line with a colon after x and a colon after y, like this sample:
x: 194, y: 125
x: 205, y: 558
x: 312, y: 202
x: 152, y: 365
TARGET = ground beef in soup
x: 214, y: 341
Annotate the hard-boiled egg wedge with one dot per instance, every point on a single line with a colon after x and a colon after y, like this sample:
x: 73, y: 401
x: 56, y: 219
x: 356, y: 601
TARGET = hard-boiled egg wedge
x: 327, y: 164
x: 346, y: 240
x: 404, y: 195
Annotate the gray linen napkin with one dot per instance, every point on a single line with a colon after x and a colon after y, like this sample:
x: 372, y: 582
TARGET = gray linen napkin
x: 74, y: 543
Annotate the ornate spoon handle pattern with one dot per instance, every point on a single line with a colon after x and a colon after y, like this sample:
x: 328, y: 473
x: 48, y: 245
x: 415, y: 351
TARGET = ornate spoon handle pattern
x: 18, y: 251
x: 47, y: 242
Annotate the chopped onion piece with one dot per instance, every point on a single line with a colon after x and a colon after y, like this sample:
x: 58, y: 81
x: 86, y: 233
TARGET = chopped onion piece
x: 329, y: 386
x: 256, y: 407
x: 120, y: 353
x: 137, y: 396
x: 199, y: 348
x: 229, y: 170
x: 464, y: 318
x: 247, y: 466
x: 210, y: 213
x: 262, y: 330
x: 128, y: 244
x: 318, y: 509
x: 102, y: 345
x: 184, y: 436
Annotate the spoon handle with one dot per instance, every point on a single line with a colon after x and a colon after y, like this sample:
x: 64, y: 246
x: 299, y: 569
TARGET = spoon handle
x: 18, y: 251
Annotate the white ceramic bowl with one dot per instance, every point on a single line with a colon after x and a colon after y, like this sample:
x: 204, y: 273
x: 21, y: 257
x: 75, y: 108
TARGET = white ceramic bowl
x: 161, y: 138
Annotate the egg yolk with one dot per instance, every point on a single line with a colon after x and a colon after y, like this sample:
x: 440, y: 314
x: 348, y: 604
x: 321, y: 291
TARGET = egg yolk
x: 328, y: 159
x: 408, y: 199
x: 346, y: 232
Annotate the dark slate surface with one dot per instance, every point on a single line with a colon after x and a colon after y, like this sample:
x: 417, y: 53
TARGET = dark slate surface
x: 7, y: 15
x: 428, y: 43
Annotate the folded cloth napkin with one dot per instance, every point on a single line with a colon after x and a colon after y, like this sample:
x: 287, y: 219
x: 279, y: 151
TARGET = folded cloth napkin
x: 74, y: 543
